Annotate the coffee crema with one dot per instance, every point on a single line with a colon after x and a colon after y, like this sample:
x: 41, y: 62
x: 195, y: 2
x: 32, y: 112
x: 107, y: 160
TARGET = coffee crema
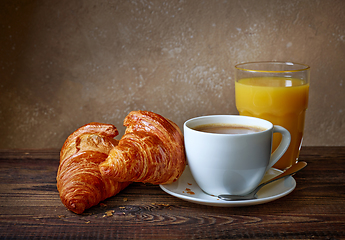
x: 225, y: 128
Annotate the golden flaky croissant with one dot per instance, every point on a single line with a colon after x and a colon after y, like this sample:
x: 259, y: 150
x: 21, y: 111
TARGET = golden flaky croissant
x: 150, y: 151
x: 79, y: 180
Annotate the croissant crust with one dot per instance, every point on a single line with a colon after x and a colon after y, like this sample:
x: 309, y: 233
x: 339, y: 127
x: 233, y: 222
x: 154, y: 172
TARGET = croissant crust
x: 150, y: 151
x: 79, y: 180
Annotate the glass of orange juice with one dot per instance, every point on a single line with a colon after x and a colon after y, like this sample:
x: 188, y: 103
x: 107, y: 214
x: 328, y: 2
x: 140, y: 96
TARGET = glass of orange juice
x: 277, y: 92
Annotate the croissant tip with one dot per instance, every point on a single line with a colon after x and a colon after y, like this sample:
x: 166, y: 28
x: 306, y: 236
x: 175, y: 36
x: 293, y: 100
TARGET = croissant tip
x: 75, y: 207
x: 105, y: 170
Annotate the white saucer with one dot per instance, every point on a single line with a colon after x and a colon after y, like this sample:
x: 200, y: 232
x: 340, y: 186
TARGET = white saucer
x: 187, y: 189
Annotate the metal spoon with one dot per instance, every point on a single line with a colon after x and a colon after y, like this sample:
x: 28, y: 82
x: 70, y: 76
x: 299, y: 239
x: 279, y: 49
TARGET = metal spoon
x: 252, y: 195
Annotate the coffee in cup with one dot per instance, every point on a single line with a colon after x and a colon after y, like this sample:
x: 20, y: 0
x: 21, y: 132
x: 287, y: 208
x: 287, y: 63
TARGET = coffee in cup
x: 227, y: 128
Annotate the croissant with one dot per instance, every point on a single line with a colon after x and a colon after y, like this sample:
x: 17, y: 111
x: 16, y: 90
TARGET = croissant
x: 150, y: 151
x: 79, y: 180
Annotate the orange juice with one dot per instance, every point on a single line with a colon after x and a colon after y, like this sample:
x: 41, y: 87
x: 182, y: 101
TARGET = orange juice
x: 282, y: 101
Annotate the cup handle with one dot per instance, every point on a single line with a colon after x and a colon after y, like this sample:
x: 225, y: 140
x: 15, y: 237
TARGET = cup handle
x: 283, y: 146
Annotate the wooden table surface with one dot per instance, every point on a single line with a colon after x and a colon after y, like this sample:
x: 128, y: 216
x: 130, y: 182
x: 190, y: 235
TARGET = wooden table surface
x: 30, y: 207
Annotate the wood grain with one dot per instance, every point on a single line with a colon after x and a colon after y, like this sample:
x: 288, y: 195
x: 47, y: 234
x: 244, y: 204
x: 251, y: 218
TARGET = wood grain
x: 30, y: 206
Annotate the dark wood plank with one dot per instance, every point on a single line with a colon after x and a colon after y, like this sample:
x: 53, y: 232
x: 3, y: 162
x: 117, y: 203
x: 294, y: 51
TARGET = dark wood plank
x: 30, y: 206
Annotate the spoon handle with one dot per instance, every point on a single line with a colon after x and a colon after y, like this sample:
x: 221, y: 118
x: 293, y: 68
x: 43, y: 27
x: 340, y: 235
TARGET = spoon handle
x: 290, y: 171
x: 252, y: 195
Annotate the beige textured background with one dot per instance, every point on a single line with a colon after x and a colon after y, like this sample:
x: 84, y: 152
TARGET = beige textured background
x: 64, y: 63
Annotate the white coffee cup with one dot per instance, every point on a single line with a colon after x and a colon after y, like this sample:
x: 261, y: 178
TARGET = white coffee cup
x: 231, y: 163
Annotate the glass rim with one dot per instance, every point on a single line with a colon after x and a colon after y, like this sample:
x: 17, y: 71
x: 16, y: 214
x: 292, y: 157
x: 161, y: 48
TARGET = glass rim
x: 303, y: 67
